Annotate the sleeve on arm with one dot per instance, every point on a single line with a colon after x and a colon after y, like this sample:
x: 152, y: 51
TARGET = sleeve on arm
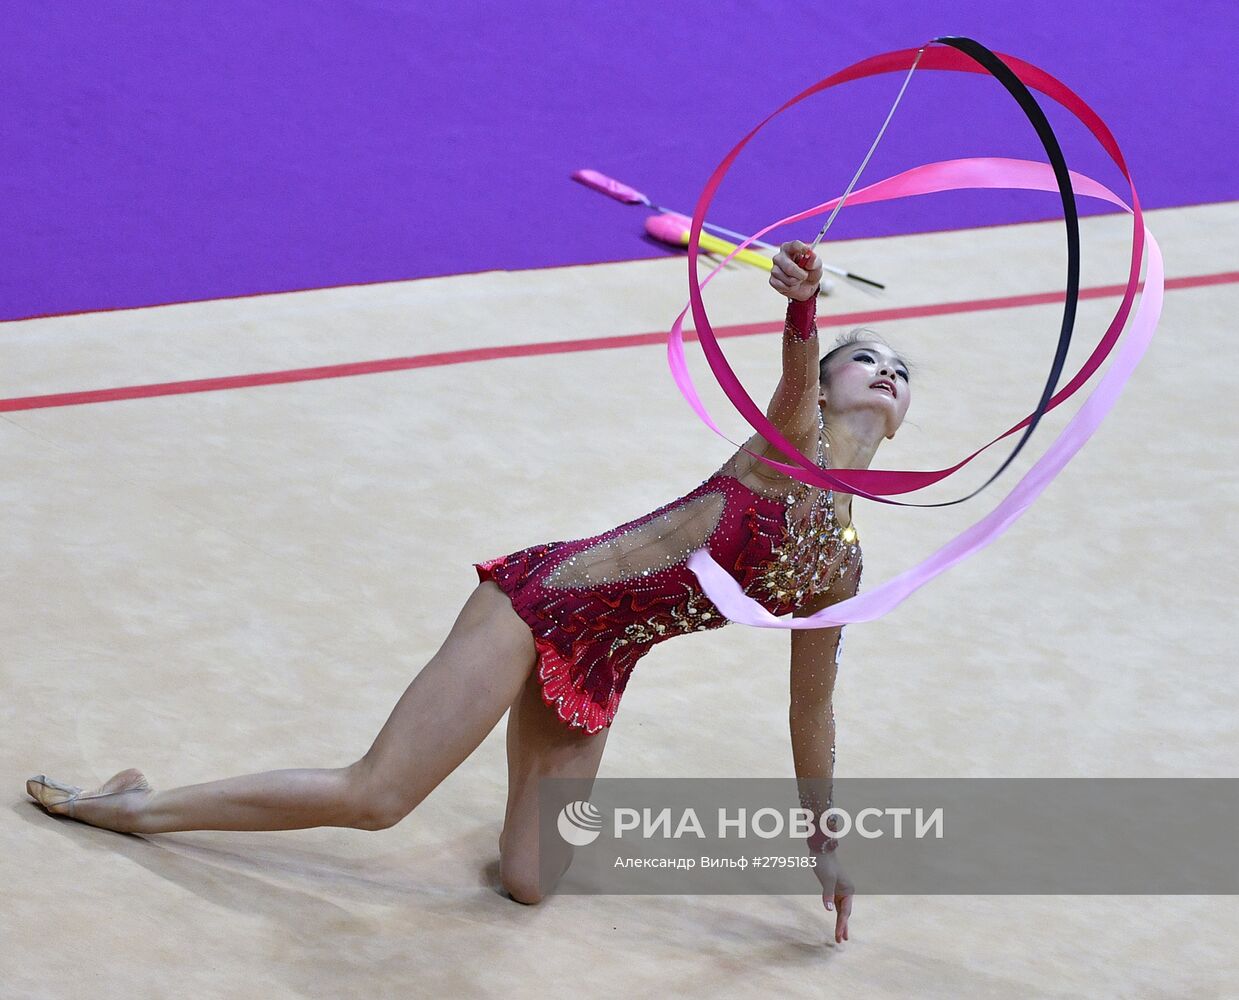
x: 793, y: 408
x: 814, y: 667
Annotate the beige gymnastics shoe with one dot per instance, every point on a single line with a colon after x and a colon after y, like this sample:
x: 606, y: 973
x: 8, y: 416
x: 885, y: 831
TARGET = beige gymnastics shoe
x: 59, y: 799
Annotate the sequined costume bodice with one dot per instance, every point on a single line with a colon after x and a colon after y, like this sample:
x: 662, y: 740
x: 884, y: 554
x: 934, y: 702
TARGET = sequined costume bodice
x: 597, y: 605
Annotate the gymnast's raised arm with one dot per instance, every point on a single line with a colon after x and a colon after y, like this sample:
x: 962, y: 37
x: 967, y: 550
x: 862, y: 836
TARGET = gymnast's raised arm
x: 797, y: 273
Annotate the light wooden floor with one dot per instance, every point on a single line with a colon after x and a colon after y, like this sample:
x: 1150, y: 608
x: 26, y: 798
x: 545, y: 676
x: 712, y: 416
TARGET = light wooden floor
x: 209, y: 584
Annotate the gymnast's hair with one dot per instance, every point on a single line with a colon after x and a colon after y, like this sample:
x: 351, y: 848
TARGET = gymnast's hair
x: 855, y: 336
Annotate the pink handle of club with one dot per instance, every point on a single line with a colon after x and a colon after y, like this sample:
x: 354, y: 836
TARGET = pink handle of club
x: 610, y: 187
x: 669, y: 228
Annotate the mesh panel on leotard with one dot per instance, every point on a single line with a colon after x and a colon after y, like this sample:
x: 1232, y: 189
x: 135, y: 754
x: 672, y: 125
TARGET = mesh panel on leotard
x: 634, y: 550
x: 767, y: 482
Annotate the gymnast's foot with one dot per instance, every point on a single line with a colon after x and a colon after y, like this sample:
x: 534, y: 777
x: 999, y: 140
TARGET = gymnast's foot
x: 111, y: 806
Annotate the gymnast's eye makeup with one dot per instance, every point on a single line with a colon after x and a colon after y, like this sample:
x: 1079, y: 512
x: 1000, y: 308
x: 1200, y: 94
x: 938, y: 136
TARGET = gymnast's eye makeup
x: 867, y: 356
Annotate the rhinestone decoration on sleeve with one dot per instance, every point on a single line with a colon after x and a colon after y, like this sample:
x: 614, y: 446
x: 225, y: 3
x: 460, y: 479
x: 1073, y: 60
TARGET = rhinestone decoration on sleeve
x: 792, y: 332
x: 800, y: 322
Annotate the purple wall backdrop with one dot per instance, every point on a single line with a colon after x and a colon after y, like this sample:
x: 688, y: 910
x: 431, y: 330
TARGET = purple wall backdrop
x: 163, y: 153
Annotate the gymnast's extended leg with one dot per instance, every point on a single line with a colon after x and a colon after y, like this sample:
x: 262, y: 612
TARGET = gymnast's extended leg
x: 448, y: 709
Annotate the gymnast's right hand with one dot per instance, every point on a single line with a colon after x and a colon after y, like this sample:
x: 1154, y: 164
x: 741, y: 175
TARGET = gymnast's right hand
x: 797, y: 272
x: 837, y: 892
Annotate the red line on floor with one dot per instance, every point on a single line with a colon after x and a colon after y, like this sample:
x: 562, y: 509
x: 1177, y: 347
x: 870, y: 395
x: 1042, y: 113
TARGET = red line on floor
x: 564, y: 347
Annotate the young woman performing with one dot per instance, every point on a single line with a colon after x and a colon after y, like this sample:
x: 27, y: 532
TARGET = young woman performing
x: 552, y: 633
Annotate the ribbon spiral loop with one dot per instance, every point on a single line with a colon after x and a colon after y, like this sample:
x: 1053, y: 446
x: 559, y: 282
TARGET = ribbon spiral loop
x: 964, y: 55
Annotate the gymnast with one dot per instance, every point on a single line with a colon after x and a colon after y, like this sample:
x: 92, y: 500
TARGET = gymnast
x: 551, y: 633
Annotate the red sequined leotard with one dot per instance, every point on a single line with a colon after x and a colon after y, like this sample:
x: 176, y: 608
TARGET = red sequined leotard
x: 596, y: 605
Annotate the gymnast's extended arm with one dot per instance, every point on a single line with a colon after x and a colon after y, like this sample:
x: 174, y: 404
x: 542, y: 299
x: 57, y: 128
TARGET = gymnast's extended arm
x: 815, y: 660
x: 811, y: 714
x: 797, y: 274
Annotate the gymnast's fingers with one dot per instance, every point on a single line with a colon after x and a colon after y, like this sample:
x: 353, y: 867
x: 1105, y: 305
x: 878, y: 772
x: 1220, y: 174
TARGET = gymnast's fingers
x: 783, y: 261
x: 799, y: 252
x: 841, y: 919
x: 786, y: 275
x: 782, y: 281
x: 844, y: 893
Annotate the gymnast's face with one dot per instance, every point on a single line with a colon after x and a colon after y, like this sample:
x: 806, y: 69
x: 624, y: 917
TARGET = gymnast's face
x: 868, y: 376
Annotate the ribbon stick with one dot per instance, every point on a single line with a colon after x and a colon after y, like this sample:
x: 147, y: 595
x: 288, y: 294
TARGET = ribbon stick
x: 869, y: 155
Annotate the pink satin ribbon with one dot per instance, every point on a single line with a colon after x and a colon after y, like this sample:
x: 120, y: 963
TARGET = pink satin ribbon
x: 875, y: 484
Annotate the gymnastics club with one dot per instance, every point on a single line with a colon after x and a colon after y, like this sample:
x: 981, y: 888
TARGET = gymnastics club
x: 631, y: 196
x: 673, y: 228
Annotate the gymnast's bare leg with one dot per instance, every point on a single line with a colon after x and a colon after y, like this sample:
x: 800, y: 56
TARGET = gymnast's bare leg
x: 541, y: 746
x: 449, y: 708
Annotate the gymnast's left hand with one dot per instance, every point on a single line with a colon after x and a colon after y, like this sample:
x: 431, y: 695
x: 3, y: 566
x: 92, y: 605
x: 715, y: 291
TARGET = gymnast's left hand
x: 837, y: 891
